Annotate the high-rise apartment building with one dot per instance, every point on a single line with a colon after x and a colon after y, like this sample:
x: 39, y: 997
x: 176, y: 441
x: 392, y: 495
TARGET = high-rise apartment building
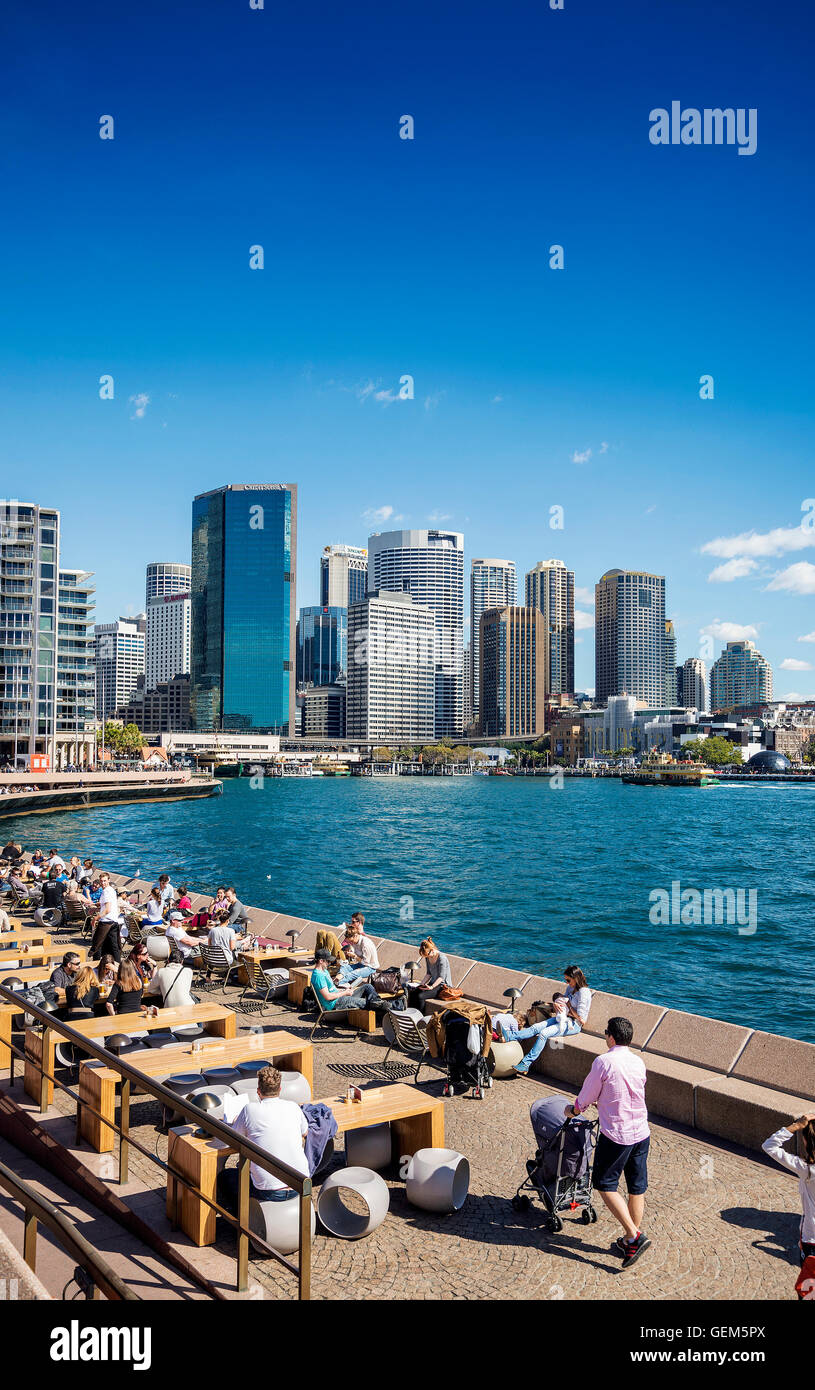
x: 670, y: 695
x: 167, y: 639
x: 119, y: 662
x: 76, y: 670
x: 629, y: 636
x: 513, y: 672
x: 343, y: 575
x: 493, y: 584
x: 391, y: 669
x: 322, y: 646
x: 29, y: 568
x: 740, y: 676
x: 429, y: 565
x: 550, y: 588
x: 694, y: 684
x: 165, y: 578
x: 468, y: 684
x: 244, y: 618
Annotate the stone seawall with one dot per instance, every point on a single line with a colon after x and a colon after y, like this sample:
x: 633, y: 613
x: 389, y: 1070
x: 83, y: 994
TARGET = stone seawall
x: 725, y: 1079
x: 77, y: 798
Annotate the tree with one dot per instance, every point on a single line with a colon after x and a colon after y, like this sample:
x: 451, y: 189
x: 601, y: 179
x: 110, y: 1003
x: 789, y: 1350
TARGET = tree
x: 383, y: 755
x: 691, y: 752
x: 720, y: 752
x: 808, y: 753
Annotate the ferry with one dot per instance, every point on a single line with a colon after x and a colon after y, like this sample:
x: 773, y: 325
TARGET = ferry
x: 672, y: 774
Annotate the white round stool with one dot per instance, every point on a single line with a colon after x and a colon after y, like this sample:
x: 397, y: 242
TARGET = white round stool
x: 337, y: 1218
x: 369, y: 1147
x: 437, y: 1180
x: 507, y: 1056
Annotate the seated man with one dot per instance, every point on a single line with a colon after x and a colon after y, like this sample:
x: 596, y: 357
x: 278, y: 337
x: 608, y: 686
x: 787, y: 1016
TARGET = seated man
x: 223, y: 934
x: 350, y: 969
x: 237, y: 911
x: 66, y: 973
x: 363, y: 946
x: 187, y: 945
x: 165, y: 890
x: 360, y: 995
x: 277, y: 1126
x: 171, y: 983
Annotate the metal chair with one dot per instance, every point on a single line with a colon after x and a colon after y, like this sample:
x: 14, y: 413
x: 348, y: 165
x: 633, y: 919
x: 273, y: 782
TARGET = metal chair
x: 410, y: 1036
x: 261, y: 981
x: 216, y: 962
x: 323, y: 1013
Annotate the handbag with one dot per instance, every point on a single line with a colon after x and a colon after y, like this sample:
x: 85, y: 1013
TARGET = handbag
x: 447, y: 993
x: 805, y: 1283
x: 387, y: 981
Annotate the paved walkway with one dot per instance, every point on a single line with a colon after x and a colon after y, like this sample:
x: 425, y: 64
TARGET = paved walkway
x: 723, y: 1222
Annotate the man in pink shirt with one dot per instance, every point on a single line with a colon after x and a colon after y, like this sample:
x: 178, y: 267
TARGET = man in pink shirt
x: 616, y: 1085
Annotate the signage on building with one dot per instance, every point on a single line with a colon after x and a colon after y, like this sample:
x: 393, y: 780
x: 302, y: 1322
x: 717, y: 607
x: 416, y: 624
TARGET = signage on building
x: 39, y: 762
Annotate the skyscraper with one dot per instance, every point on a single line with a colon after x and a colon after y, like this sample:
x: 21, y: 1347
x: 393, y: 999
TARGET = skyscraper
x: 493, y: 584
x: 694, y: 692
x: 119, y: 662
x: 29, y: 564
x: 343, y: 575
x: 740, y: 676
x: 670, y: 663
x: 165, y: 577
x: 550, y: 588
x: 244, y: 546
x: 322, y: 646
x: 513, y: 672
x: 76, y: 670
x: 391, y: 669
x: 629, y: 636
x: 429, y: 565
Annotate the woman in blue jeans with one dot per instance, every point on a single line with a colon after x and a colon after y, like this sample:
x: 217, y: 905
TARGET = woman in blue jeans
x: 578, y: 997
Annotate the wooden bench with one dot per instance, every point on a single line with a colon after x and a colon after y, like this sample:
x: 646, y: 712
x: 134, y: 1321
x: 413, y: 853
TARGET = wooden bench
x: 217, y: 1019
x: 32, y: 936
x: 39, y: 955
x: 97, y: 1083
x: 416, y: 1119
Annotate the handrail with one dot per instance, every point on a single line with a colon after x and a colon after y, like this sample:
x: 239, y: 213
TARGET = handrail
x: 247, y: 1151
x: 39, y: 1210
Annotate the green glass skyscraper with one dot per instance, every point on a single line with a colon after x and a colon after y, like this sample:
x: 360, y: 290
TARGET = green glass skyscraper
x: 244, y: 547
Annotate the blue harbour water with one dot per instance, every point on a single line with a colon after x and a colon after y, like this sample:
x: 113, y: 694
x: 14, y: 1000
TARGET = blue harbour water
x: 507, y: 870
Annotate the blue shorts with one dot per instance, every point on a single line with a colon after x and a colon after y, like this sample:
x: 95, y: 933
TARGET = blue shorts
x: 613, y: 1161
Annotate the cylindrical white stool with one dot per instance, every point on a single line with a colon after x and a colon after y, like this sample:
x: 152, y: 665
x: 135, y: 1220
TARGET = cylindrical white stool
x: 437, y: 1180
x: 369, y: 1147
x: 294, y: 1086
x: 158, y: 947
x: 278, y: 1223
x: 507, y: 1056
x: 337, y: 1218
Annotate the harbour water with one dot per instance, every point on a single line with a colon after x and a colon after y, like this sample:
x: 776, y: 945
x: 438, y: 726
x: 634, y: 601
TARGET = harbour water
x: 511, y: 871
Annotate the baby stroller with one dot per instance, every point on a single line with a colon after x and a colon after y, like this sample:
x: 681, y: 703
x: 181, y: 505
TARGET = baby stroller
x: 464, y: 1056
x: 561, y: 1171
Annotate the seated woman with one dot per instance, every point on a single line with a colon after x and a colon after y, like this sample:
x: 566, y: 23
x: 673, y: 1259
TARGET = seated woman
x: 84, y: 992
x: 154, y: 910
x: 125, y: 996
x: 139, y: 957
x: 106, y: 970
x: 508, y: 1026
x: 184, y: 903
x: 438, y: 971
x: 578, y: 1003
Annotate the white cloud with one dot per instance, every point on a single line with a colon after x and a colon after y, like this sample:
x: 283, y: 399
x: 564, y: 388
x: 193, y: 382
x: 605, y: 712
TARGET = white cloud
x: 798, y: 578
x: 604, y: 447
x: 652, y: 508
x: 730, y: 632
x: 736, y: 568
x: 496, y: 400
x: 807, y: 637
x: 436, y: 516
x: 584, y: 595
x: 380, y: 514
x: 582, y: 621
x: 581, y: 458
x: 430, y: 402
x: 791, y: 664
x: 761, y: 544
x: 791, y: 695
x: 140, y: 404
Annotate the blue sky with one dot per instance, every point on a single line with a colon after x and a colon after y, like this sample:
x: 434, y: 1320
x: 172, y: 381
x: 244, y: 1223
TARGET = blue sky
x: 385, y: 257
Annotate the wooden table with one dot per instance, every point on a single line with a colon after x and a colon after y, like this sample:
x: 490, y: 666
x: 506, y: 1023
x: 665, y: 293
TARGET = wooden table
x: 417, y: 1122
x: 276, y: 955
x: 217, y: 1019
x: 33, y: 935
x: 38, y: 955
x: 97, y: 1084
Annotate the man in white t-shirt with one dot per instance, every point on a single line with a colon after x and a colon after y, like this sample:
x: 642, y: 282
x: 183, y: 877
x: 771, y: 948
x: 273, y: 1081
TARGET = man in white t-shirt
x: 277, y: 1126
x: 187, y: 945
x: 107, y: 937
x: 363, y: 946
x: 172, y: 983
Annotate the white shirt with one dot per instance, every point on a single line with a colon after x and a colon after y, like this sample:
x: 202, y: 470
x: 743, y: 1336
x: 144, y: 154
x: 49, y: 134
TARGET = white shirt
x: 580, y: 1000
x: 278, y: 1126
x: 365, y: 948
x: 175, y: 934
x: 55, y: 859
x: 173, y: 983
x: 805, y: 1173
x: 109, y: 904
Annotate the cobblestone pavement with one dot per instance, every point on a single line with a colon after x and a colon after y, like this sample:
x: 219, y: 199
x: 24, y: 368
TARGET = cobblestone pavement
x: 723, y: 1222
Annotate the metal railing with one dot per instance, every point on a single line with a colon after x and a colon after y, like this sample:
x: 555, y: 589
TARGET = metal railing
x: 40, y: 1212
x: 215, y: 1129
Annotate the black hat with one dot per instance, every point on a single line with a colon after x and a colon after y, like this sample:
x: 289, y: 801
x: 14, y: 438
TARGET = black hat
x: 324, y: 955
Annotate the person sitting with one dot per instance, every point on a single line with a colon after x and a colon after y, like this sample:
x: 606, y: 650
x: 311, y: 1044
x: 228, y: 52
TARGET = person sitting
x: 53, y: 891
x: 67, y: 971
x: 508, y: 1025
x: 165, y: 889
x: 578, y: 1003
x: 278, y: 1127
x: 153, y: 910
x: 438, y: 971
x: 55, y: 860
x: 5, y: 921
x: 187, y: 945
x: 184, y: 904
x: 237, y: 911
x: 171, y: 982
x: 125, y: 996
x: 83, y: 993
x: 350, y: 968
x: 106, y: 970
x: 223, y: 934
x: 364, y: 948
x: 139, y: 957
x: 12, y: 852
x: 330, y: 996
x: 85, y: 873
x: 92, y: 891
x: 218, y: 902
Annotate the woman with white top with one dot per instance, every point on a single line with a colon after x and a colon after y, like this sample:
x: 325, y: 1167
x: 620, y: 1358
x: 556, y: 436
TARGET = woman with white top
x: 154, y: 910
x: 578, y: 1004
x: 804, y: 1169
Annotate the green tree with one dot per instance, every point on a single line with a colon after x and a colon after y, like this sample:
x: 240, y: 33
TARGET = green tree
x: 691, y: 752
x: 720, y: 752
x: 383, y: 754
x: 132, y: 741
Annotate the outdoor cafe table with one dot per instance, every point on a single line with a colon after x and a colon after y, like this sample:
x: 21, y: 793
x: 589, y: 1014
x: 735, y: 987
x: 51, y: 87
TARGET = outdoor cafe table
x: 97, y: 1083
x: 33, y: 935
x: 416, y: 1119
x: 275, y: 955
x: 38, y: 955
x: 217, y: 1020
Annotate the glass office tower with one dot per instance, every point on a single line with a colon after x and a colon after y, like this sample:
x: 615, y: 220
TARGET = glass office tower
x: 244, y: 546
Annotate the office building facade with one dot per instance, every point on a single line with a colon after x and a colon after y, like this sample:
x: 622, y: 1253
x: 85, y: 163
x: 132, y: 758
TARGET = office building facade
x: 343, y: 575
x: 429, y: 565
x: 392, y: 677
x: 513, y: 672
x: 167, y: 638
x: 244, y: 616
x: 163, y: 709
x: 324, y: 711
x: 740, y: 676
x: 629, y: 636
x: 694, y: 684
x: 165, y: 578
x: 549, y: 587
x: 76, y: 670
x: 493, y: 584
x: 670, y: 691
x: 322, y: 646
x: 119, y: 662
x: 29, y: 569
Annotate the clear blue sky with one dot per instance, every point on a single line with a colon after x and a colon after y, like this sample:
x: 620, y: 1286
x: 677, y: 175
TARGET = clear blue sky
x: 386, y: 257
